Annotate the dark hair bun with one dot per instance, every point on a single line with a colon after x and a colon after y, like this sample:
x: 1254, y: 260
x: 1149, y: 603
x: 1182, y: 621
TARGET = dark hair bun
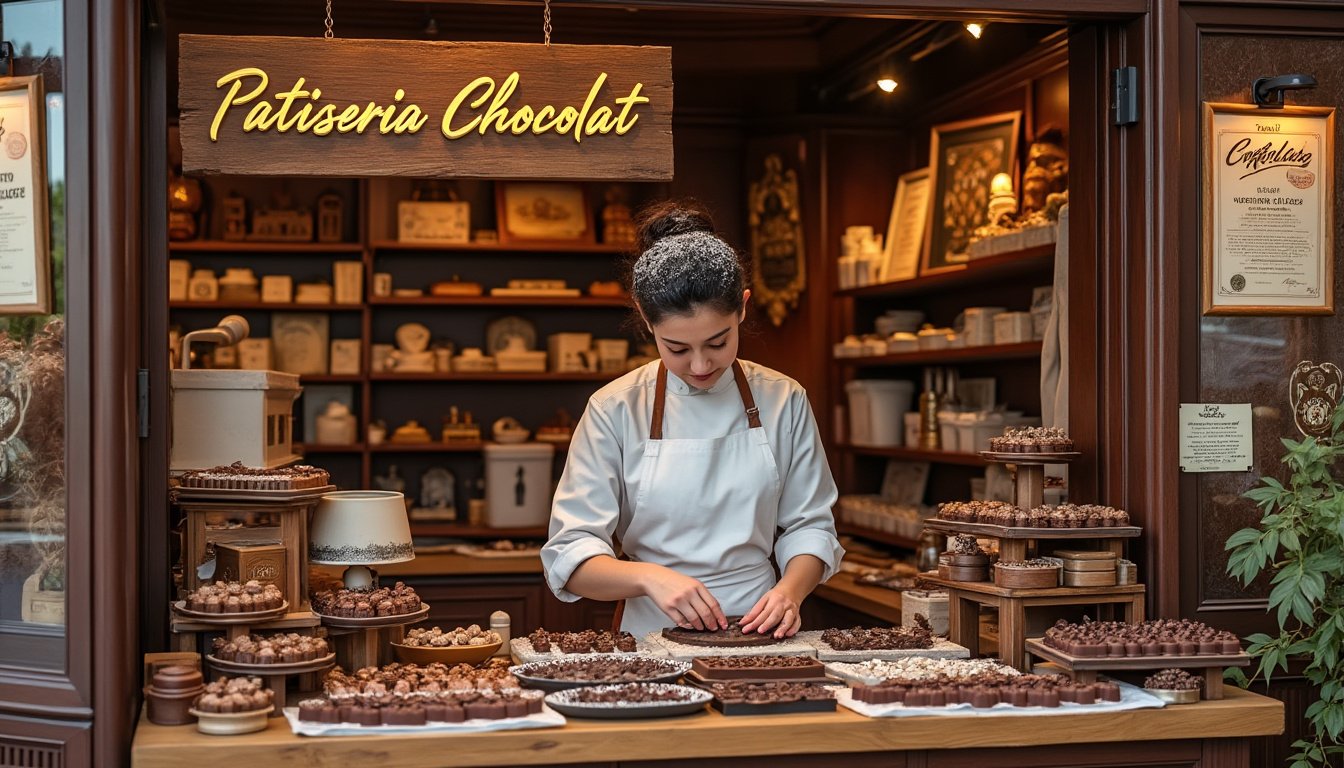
x: 671, y: 217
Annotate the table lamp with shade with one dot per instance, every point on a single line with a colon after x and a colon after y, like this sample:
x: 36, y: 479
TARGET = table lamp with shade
x: 359, y: 529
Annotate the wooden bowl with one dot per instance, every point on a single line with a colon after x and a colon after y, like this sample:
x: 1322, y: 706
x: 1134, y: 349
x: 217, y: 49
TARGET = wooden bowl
x: 447, y: 654
x: 1026, y: 578
x: 1175, y: 696
x: 232, y: 723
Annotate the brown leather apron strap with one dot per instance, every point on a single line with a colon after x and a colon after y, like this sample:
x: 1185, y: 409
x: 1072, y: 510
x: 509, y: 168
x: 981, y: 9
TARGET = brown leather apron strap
x: 753, y: 413
x: 659, y: 400
x: 617, y: 616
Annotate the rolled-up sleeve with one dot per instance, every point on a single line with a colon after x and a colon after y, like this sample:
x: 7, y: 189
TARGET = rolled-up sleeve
x: 806, y: 524
x: 587, y: 504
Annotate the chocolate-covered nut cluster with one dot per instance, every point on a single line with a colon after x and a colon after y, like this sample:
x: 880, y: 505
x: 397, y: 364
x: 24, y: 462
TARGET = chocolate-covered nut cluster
x: 986, y: 690
x: 239, y: 694
x: 1156, y: 637
x: 631, y: 693
x: 437, y: 638
x: 587, y: 641
x: 483, y: 705
x: 611, y: 669
x: 1032, y: 440
x: 881, y: 638
x: 238, y: 477
x: 965, y: 544
x: 235, y: 597
x: 772, y: 692
x: 282, y: 648
x: 403, y: 682
x: 1173, y: 680
x: 396, y: 600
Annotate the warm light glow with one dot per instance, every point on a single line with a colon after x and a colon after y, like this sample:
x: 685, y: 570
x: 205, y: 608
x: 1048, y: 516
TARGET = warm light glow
x: 887, y: 84
x: 975, y: 28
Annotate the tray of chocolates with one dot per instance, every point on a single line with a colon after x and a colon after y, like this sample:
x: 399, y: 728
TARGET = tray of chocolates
x: 421, y: 711
x: 789, y: 646
x: 232, y: 706
x: 1176, y: 642
x: 915, y: 668
x: 274, y: 482
x: 629, y: 701
x: 1034, y: 441
x: 986, y: 690
x: 541, y: 644
x: 279, y: 654
x: 412, y: 682
x: 380, y: 607
x: 756, y: 667
x: 1000, y: 519
x: 598, y: 669
x: 1174, y: 686
x: 770, y: 697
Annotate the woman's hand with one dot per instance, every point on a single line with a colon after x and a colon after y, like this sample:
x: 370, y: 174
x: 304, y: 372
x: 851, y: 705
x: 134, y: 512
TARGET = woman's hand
x: 777, y: 610
x: 684, y: 599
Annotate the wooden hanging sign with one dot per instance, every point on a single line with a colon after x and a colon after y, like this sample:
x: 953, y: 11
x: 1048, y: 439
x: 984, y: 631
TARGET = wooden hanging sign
x: 300, y: 106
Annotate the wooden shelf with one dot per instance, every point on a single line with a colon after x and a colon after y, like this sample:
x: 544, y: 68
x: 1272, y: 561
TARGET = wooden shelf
x: 278, y: 306
x: 307, y: 448
x: 440, y: 447
x: 595, y: 248
x: 977, y: 272
x: 496, y: 376
x: 331, y: 378
x: 917, y: 454
x: 256, y: 246
x: 595, y: 302
x: 882, y: 537
x: 427, y: 528
x: 1023, y: 351
x: 991, y: 589
x: 987, y: 530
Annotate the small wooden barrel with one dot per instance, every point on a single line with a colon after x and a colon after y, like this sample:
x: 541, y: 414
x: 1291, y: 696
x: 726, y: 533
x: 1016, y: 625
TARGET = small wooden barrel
x: 1026, y: 578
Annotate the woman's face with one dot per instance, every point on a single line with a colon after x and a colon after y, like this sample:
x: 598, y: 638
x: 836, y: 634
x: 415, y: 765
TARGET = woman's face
x: 699, y: 347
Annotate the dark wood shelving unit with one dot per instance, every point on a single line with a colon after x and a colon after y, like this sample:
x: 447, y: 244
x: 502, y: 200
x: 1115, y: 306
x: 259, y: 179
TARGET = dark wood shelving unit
x: 258, y: 246
x: 979, y: 271
x: 1026, y: 350
x: 916, y: 454
x: 872, y: 534
x: 310, y: 448
x: 594, y: 248
x: 441, y: 447
x: 495, y: 376
x: 567, y: 302
x: 331, y: 378
x: 276, y: 306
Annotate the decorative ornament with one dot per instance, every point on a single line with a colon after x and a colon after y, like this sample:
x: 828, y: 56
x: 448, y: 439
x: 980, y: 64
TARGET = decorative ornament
x: 779, y: 274
x: 1314, y: 392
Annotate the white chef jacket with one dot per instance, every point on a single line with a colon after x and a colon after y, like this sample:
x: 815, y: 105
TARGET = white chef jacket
x: 595, y: 498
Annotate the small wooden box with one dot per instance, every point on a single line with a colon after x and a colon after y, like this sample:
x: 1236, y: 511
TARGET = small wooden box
x: 264, y: 561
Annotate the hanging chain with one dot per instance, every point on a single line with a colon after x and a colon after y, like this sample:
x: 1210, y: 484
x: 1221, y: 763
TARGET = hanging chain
x: 329, y: 34
x: 545, y: 22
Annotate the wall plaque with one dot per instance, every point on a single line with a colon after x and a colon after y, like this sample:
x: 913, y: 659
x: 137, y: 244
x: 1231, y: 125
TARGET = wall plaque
x: 778, y: 266
x: 1268, y: 210
x: 300, y: 106
x: 1216, y: 437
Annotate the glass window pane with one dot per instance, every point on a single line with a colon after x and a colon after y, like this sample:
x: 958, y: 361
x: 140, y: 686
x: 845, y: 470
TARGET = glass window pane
x: 32, y: 390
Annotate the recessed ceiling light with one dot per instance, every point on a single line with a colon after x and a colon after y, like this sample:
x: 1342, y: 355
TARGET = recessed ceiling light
x: 887, y: 84
x: 976, y: 29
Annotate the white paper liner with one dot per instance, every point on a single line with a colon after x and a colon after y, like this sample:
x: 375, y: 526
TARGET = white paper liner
x: 682, y: 652
x: 942, y: 649
x: 673, y: 667
x: 855, y: 673
x: 547, y: 718
x: 1130, y: 698
x: 524, y: 653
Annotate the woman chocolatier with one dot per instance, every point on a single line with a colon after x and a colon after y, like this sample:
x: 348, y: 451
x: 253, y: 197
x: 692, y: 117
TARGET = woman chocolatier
x: 701, y: 465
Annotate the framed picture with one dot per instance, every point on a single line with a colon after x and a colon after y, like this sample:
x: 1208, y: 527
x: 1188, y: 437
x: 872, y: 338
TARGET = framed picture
x: 966, y: 156
x: 433, y: 222
x: 25, y: 257
x: 904, y: 482
x: 905, y: 230
x: 1268, y: 210
x: 543, y: 212
x: 301, y: 341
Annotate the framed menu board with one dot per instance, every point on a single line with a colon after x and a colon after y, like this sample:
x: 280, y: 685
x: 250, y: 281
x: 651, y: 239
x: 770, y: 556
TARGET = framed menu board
x: 25, y: 255
x: 1268, y: 207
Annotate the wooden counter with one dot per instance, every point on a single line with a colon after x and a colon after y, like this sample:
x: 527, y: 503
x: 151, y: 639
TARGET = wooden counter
x: 1209, y: 734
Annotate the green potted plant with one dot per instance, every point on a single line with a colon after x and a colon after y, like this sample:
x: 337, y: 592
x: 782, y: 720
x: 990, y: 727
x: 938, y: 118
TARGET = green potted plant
x: 1300, y: 541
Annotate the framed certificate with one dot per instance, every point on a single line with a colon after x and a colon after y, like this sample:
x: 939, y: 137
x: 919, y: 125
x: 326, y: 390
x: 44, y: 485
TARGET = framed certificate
x: 1268, y: 206
x: 905, y: 229
x: 25, y: 250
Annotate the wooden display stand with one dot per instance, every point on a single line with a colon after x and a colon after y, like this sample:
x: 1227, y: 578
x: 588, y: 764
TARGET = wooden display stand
x: 260, y: 518
x: 1084, y: 669
x: 965, y: 597
x: 368, y: 642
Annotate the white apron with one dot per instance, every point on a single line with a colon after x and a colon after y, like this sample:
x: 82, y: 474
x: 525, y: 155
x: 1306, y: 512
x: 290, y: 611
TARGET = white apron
x: 706, y: 508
